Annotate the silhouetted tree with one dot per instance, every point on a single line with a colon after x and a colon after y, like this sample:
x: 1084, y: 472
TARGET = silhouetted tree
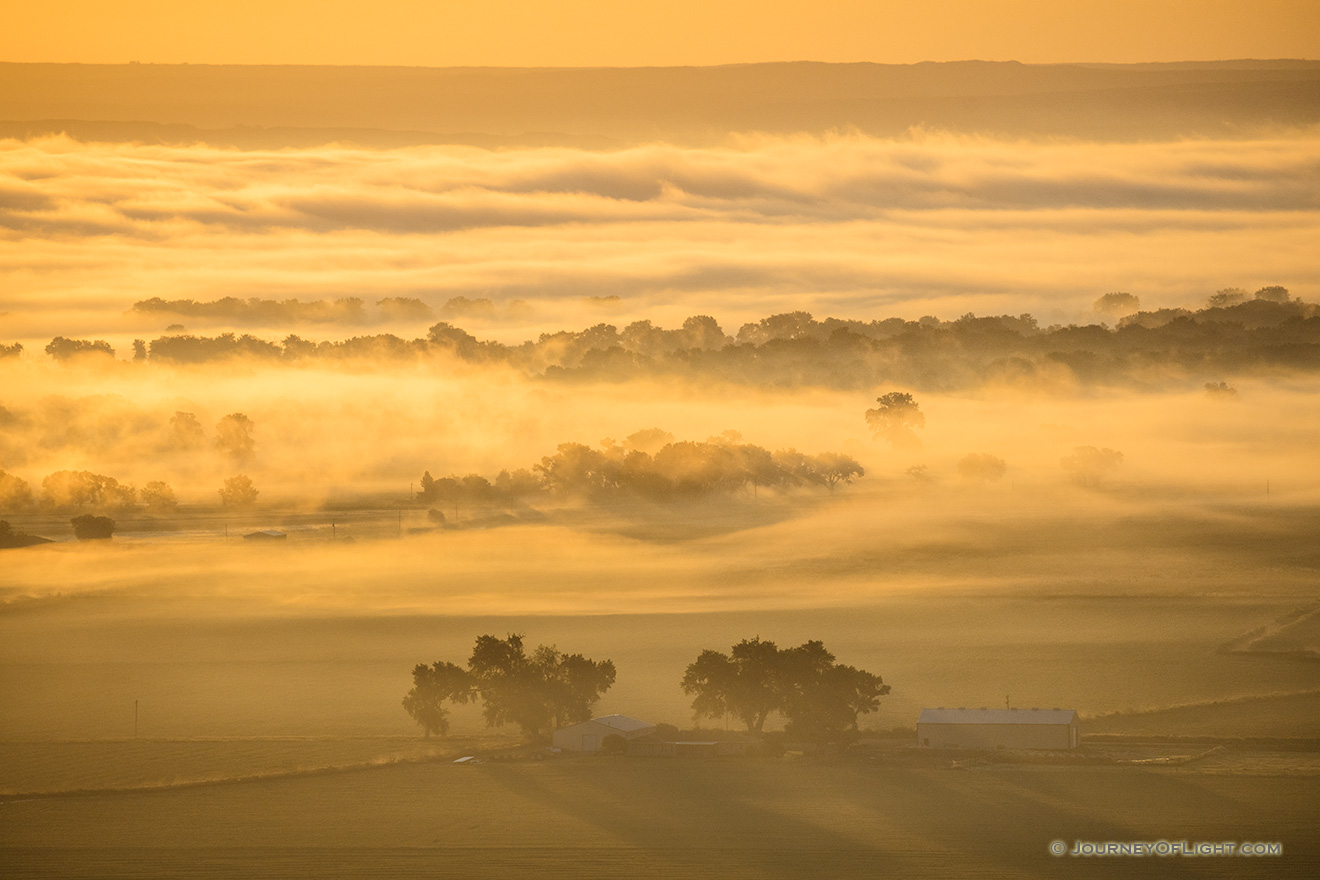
x: 1220, y: 390
x: 80, y: 490
x: 238, y: 491
x: 1274, y: 293
x: 12, y: 349
x: 62, y: 349
x: 576, y: 468
x: 648, y: 440
x: 233, y: 437
x: 1228, y: 296
x: 920, y: 473
x: 187, y: 432
x: 91, y: 528
x: 1117, y: 304
x: 402, y: 308
x: 139, y: 349
x: 978, y: 467
x: 514, y: 487
x: 158, y: 496
x: 834, y: 468
x: 746, y: 683
x: 427, y: 492
x: 820, y: 699
x: 433, y: 686
x: 895, y: 419
x: 15, y: 493
x: 535, y: 691
x: 1089, y: 465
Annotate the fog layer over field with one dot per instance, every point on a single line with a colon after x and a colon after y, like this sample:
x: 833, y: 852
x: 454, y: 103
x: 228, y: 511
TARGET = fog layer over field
x: 847, y: 225
x: 1078, y: 506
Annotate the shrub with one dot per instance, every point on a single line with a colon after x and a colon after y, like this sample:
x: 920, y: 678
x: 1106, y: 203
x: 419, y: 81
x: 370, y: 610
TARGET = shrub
x: 91, y: 528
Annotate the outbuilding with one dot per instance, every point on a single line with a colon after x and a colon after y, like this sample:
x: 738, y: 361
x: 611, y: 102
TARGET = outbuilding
x: 266, y: 535
x: 998, y: 728
x: 588, y: 735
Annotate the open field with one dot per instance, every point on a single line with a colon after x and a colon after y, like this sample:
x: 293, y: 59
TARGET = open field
x: 662, y: 818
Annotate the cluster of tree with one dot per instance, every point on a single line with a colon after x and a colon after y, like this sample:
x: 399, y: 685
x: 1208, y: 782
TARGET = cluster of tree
x: 63, y: 349
x: 269, y: 312
x: 537, y: 692
x: 87, y: 491
x: 818, y: 698
x: 90, y: 527
x: 1232, y: 334
x: 90, y: 425
x: 12, y: 349
x: 649, y: 464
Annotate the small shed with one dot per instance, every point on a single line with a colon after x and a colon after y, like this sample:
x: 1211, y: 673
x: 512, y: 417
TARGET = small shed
x: 998, y: 728
x: 266, y: 535
x: 588, y: 735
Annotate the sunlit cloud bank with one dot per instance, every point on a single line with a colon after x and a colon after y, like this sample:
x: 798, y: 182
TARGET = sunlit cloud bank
x: 845, y: 225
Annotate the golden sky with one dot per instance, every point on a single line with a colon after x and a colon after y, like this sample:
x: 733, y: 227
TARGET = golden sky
x: 677, y: 32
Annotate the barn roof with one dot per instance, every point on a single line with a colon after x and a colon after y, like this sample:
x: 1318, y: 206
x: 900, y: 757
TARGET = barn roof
x: 623, y: 722
x: 997, y: 716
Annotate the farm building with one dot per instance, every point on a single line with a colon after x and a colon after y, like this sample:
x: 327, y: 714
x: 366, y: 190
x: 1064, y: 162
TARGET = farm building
x: 587, y: 736
x: 998, y: 728
x: 266, y: 535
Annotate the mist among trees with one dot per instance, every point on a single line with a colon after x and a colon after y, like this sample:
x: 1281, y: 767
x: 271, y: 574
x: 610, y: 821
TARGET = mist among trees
x: 1233, y: 334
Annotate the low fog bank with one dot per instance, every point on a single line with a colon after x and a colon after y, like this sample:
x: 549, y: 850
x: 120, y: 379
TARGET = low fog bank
x: 513, y: 243
x: 1024, y: 540
x: 308, y: 438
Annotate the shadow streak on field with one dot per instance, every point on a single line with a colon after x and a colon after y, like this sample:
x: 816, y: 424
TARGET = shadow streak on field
x: 667, y: 818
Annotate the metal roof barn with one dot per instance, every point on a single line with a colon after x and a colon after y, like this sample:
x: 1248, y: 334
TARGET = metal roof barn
x: 998, y: 728
x: 588, y: 735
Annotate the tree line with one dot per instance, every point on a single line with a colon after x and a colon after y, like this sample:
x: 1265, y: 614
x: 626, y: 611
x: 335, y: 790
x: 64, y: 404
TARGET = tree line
x: 648, y: 464
x: 1232, y: 334
x: 819, y: 699
x: 84, y: 490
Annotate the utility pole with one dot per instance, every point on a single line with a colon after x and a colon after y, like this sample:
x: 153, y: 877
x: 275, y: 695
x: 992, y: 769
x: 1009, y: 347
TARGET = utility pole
x: 332, y: 529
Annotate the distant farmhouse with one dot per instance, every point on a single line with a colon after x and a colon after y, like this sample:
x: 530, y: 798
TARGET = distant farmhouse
x: 266, y: 535
x: 998, y: 728
x: 588, y: 736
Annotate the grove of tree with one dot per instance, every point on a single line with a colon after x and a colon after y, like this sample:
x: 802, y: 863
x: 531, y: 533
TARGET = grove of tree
x: 537, y: 692
x: 819, y: 699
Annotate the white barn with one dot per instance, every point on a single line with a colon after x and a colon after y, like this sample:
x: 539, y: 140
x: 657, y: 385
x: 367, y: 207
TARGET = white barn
x: 998, y: 728
x: 588, y: 735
